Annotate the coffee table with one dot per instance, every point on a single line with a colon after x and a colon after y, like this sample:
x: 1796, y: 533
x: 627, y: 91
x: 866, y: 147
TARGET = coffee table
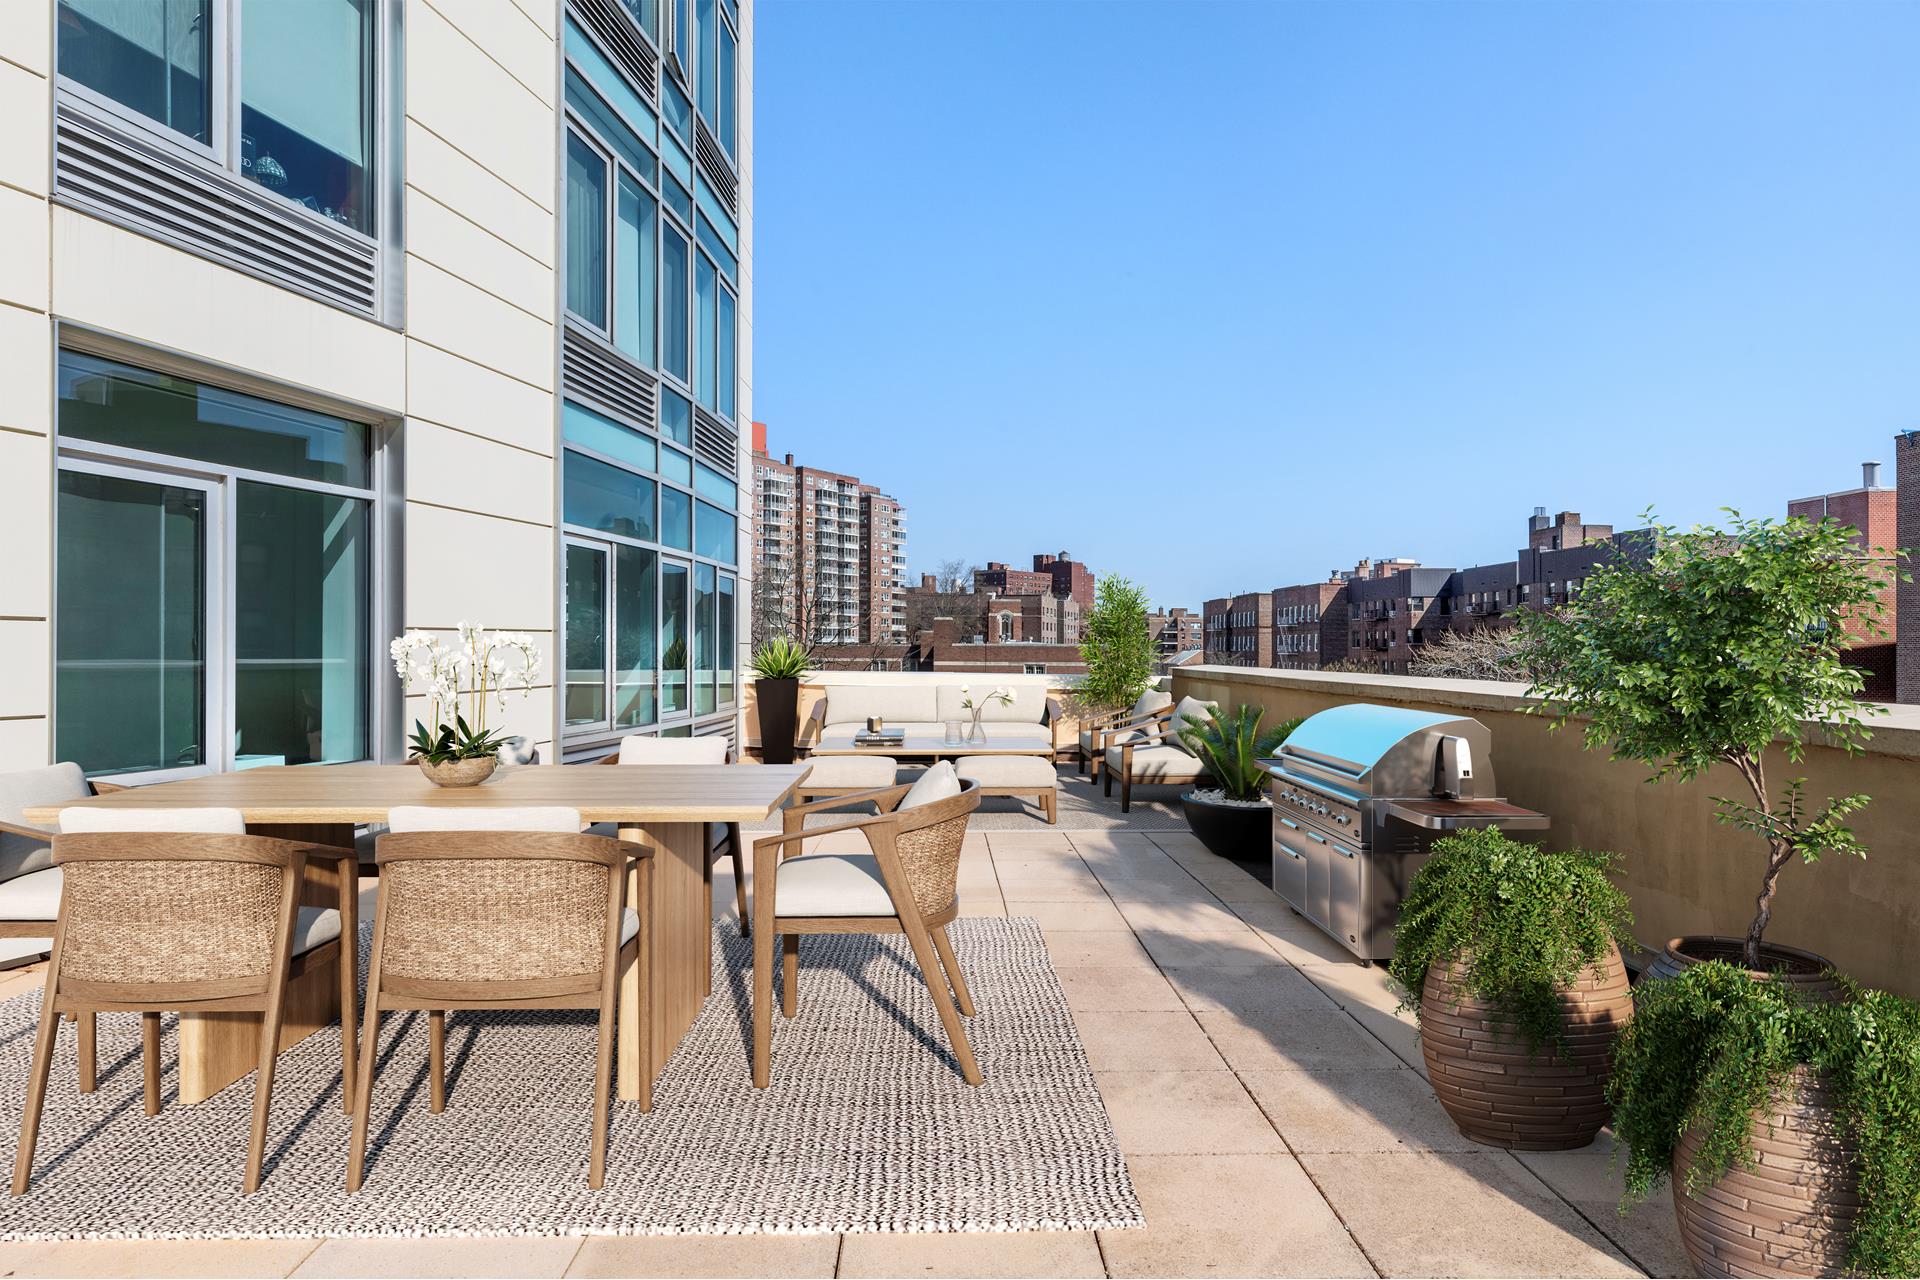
x: 932, y: 746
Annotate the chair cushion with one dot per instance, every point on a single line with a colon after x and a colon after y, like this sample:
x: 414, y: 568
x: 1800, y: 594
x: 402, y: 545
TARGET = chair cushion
x: 1190, y: 711
x: 34, y: 896
x: 21, y: 789
x: 938, y: 783
x: 853, y: 703
x: 1008, y: 771
x: 850, y: 773
x: 642, y: 749
x: 831, y: 884
x: 420, y: 817
x: 1159, y: 764
x: 212, y: 822
x: 315, y: 927
x: 1146, y: 704
x: 629, y: 925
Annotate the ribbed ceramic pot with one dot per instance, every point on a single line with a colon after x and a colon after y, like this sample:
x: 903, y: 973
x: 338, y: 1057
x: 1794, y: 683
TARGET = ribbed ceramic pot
x: 459, y: 773
x: 1804, y: 971
x: 1793, y: 1212
x: 1499, y: 1091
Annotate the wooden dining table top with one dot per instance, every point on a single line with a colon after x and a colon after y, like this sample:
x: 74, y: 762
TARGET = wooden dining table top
x: 325, y: 794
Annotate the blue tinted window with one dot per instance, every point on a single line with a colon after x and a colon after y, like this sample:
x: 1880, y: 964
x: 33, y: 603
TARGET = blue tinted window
x: 635, y: 271
x: 586, y: 232
x: 715, y: 531
x: 714, y: 487
x: 724, y: 124
x: 607, y: 81
x: 582, y: 426
x: 673, y: 302
x: 710, y: 241
x: 675, y: 465
x: 679, y: 111
x: 598, y: 496
x: 612, y: 130
x: 676, y: 417
x: 153, y: 61
x: 725, y: 339
x: 306, y: 101
x: 711, y: 210
x: 676, y: 519
x: 706, y: 306
x: 706, y: 84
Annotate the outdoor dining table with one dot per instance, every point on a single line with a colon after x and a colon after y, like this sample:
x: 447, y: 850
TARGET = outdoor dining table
x: 664, y: 809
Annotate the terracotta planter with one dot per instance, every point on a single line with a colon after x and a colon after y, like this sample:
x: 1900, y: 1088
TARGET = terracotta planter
x: 1792, y: 1213
x: 779, y: 707
x: 1496, y: 1089
x: 1239, y: 832
x: 459, y: 773
x: 1805, y: 971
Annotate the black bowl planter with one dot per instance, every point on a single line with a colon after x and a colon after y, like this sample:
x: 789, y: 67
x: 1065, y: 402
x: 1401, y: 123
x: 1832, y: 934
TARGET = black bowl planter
x: 1241, y: 832
x: 779, y: 705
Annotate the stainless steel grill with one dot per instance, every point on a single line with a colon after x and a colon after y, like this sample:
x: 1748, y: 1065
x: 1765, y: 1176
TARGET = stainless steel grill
x: 1359, y: 793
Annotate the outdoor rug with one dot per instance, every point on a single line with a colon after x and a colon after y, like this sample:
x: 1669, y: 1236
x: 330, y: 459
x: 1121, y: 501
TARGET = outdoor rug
x: 866, y: 1127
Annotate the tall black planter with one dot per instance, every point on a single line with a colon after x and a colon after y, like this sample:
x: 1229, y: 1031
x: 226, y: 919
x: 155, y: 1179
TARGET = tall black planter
x: 779, y: 703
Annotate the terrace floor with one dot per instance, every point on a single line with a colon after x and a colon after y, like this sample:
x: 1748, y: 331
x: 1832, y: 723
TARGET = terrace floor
x: 1268, y: 1099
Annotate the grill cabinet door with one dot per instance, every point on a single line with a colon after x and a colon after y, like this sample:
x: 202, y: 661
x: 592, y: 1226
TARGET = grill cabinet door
x: 1344, y: 918
x: 1289, y: 862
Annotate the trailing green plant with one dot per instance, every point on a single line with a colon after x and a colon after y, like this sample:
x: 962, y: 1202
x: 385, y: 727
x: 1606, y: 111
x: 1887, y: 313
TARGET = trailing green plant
x: 1722, y: 644
x: 454, y: 742
x: 781, y: 658
x: 1521, y: 924
x: 1115, y: 645
x: 1709, y: 1048
x: 1231, y: 747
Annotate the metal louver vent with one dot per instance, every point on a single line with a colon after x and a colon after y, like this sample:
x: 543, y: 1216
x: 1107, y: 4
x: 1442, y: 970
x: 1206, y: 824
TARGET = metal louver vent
x: 600, y: 376
x: 618, y: 33
x: 106, y: 171
x: 713, y: 163
x: 715, y: 443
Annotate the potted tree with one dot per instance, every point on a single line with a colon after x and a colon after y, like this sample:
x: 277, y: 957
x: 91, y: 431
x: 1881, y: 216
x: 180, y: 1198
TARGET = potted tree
x: 1118, y: 654
x: 1510, y: 958
x: 1788, y: 1124
x: 778, y: 665
x: 1234, y: 817
x: 1723, y: 646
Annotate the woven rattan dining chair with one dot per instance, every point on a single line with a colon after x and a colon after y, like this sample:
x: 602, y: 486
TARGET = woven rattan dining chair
x: 723, y: 838
x: 180, y: 909
x: 907, y: 883
x: 497, y: 909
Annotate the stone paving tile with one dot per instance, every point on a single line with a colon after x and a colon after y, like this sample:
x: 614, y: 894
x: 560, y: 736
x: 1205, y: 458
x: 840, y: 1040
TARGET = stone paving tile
x: 1338, y: 1109
x: 1147, y: 1041
x: 1177, y: 949
x: 1363, y: 992
x: 1022, y: 843
x: 1101, y: 948
x: 1460, y: 1214
x: 154, y: 1257
x: 1085, y: 913
x: 798, y: 1256
x: 1209, y: 916
x: 1164, y: 1113
x: 1300, y: 943
x: 1023, y: 1253
x: 1234, y: 1215
x: 1118, y: 989
x: 1272, y: 985
x: 1590, y: 1179
x: 470, y: 1256
x: 1156, y: 890
x: 1293, y: 1040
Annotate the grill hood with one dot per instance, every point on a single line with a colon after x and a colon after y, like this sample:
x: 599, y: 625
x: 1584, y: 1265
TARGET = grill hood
x: 1368, y: 750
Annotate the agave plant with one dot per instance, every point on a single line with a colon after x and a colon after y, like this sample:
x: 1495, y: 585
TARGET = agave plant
x: 781, y: 658
x: 1231, y: 747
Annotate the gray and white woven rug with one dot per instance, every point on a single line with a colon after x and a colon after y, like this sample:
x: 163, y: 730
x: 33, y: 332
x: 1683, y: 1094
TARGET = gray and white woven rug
x: 866, y: 1127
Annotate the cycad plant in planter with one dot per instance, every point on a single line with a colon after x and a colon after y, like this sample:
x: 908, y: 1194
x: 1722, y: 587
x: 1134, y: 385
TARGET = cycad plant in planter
x: 1510, y: 956
x: 1234, y: 817
x: 778, y: 665
x: 1790, y: 1125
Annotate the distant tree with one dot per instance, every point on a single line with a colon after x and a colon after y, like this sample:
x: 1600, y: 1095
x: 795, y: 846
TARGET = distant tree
x: 1482, y: 653
x: 952, y: 596
x: 1115, y: 645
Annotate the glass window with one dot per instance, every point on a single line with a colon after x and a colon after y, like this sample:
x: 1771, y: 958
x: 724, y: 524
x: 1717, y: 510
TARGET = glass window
x: 598, y: 496
x: 727, y: 620
x: 610, y: 128
x: 706, y: 84
x: 678, y: 198
x: 673, y: 302
x: 723, y: 229
x: 113, y: 403
x: 608, y: 82
x: 706, y: 627
x: 705, y: 285
x: 676, y: 519
x: 306, y: 103
x: 724, y: 122
x: 714, y: 487
x: 585, y: 694
x: 634, y: 602
x: 710, y: 241
x: 676, y: 416
x: 302, y: 583
x: 715, y: 531
x: 636, y: 271
x: 647, y: 14
x: 150, y: 58
x: 725, y: 337
x: 675, y: 465
x: 673, y: 637
x: 682, y: 31
x: 586, y: 232
x: 582, y: 426
x: 130, y: 642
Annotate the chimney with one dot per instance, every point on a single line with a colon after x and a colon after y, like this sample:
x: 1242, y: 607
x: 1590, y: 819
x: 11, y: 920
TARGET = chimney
x: 1538, y: 520
x: 1870, y: 475
x: 789, y: 459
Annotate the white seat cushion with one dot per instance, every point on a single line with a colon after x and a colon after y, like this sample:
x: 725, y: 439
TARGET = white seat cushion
x: 427, y: 817
x: 1161, y: 763
x: 938, y: 783
x: 629, y: 925
x: 20, y: 789
x: 831, y: 884
x: 315, y: 927
x: 641, y: 749
x: 851, y: 704
x: 212, y: 822
x: 34, y: 896
x: 1008, y: 771
x: 1191, y: 711
x: 850, y: 773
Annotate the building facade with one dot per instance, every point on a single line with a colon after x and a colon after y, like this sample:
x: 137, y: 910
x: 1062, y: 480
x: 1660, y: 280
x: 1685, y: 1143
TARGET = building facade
x: 1176, y: 631
x: 1872, y: 509
x: 1057, y: 575
x: 1310, y: 623
x: 383, y: 317
x: 1238, y: 630
x: 830, y: 554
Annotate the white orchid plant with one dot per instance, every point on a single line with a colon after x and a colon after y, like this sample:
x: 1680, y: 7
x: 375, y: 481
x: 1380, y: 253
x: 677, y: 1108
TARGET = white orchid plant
x: 482, y: 667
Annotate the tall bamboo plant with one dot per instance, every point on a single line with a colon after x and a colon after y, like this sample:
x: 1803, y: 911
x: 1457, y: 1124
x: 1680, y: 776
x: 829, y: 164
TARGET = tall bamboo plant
x: 1115, y: 645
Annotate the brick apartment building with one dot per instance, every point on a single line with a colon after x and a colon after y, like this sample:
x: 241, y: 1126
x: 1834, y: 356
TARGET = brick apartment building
x: 1032, y: 619
x: 1310, y: 623
x: 1238, y: 630
x: 943, y: 648
x: 1175, y: 631
x: 1390, y: 616
x: 1057, y: 575
x: 1906, y: 452
x: 830, y: 553
x: 1873, y: 509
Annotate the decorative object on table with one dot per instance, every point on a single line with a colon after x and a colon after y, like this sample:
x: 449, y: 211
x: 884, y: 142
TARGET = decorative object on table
x: 1510, y: 958
x: 462, y: 753
x: 1725, y: 643
x: 875, y: 724
x: 779, y: 664
x: 1787, y: 1122
x: 952, y: 734
x: 1234, y: 817
x: 519, y: 750
x: 1004, y: 695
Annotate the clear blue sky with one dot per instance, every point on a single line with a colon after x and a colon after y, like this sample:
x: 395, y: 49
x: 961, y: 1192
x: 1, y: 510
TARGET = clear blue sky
x: 1221, y: 296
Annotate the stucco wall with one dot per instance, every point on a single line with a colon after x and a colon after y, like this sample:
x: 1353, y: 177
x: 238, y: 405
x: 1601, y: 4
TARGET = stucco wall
x: 1684, y: 872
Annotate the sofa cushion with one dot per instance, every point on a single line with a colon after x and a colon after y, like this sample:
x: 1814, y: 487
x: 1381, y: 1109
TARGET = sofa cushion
x: 1159, y: 764
x: 850, y: 773
x: 938, y: 783
x: 215, y: 822
x: 853, y: 703
x: 34, y: 896
x: 831, y: 884
x: 1008, y: 771
x: 641, y: 748
x: 21, y: 789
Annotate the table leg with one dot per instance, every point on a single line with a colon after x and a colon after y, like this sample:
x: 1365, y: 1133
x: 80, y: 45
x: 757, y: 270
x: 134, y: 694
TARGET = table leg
x: 218, y: 1048
x: 661, y: 994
